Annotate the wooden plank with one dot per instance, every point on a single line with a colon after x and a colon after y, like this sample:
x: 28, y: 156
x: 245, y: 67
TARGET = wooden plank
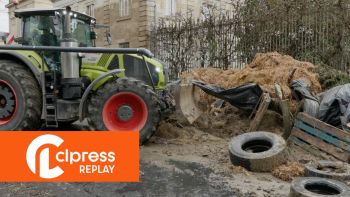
x: 278, y: 91
x: 287, y: 121
x: 284, y: 106
x: 252, y: 115
x: 321, y: 145
x: 307, y: 147
x: 298, y: 141
x: 322, y: 135
x: 255, y: 123
x: 343, y: 135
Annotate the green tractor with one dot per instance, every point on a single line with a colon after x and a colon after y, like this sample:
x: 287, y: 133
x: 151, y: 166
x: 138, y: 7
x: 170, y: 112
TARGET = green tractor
x: 56, y: 76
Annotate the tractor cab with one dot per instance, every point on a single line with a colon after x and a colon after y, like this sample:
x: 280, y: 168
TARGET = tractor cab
x: 54, y: 28
x: 49, y: 27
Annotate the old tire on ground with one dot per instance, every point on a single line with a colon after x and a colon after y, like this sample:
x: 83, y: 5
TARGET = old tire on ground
x: 328, y: 169
x: 20, y: 98
x: 318, y: 187
x: 125, y: 104
x: 258, y: 151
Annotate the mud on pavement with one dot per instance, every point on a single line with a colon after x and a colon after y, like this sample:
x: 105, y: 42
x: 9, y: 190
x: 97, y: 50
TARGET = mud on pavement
x: 183, y: 160
x: 206, y: 144
x: 206, y: 141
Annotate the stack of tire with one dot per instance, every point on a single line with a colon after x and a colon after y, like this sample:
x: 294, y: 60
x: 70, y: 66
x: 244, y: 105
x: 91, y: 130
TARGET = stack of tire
x: 323, y: 178
x: 264, y: 151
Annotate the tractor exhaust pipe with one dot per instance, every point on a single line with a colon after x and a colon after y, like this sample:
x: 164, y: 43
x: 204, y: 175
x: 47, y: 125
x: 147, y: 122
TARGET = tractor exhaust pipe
x: 71, y: 81
x: 69, y: 61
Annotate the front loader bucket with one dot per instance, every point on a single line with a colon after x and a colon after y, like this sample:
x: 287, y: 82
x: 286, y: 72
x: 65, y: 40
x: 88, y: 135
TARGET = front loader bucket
x: 187, y: 97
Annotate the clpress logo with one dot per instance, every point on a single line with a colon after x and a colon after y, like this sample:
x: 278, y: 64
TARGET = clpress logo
x: 44, y: 169
x: 70, y: 156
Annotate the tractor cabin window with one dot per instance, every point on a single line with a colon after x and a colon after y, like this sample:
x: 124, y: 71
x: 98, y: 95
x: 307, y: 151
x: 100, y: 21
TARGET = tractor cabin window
x: 44, y: 31
x: 41, y: 31
x: 81, y: 32
x: 47, y: 30
x: 124, y: 8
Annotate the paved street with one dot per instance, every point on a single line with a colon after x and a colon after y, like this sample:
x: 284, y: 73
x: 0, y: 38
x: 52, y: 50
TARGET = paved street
x: 182, y: 179
x: 156, y: 181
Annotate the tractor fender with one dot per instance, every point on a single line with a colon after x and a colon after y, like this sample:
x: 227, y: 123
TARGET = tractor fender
x: 82, y: 105
x: 9, y: 55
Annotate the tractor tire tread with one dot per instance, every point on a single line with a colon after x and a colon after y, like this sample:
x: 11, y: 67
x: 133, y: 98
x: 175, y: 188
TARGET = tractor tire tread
x: 121, y: 84
x: 31, y: 91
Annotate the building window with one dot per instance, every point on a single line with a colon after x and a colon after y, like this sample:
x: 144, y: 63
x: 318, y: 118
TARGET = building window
x: 170, y: 7
x: 90, y: 10
x: 124, y: 8
x: 124, y: 45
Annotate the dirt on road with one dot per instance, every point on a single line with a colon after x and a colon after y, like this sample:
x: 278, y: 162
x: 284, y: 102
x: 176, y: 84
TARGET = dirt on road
x: 185, y: 160
x: 206, y: 143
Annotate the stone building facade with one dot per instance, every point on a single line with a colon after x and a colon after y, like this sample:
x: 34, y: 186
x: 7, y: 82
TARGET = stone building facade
x: 128, y: 21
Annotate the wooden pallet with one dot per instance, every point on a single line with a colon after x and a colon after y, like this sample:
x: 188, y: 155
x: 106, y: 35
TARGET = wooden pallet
x: 262, y: 107
x: 311, y: 131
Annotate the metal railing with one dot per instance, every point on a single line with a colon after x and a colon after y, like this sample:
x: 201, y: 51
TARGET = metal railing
x: 319, y: 33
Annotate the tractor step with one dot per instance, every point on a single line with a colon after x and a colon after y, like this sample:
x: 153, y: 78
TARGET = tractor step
x: 50, y: 99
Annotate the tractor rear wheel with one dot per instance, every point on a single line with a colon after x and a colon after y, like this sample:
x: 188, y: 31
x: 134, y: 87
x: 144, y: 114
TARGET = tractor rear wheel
x: 125, y: 104
x: 20, y: 98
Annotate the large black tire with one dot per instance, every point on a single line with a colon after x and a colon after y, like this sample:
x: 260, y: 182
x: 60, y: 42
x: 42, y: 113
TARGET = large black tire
x: 20, y: 86
x: 318, y: 187
x: 328, y: 169
x: 133, y: 87
x: 258, y: 151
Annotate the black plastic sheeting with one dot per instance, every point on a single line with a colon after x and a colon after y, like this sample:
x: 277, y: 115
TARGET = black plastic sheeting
x: 334, y: 104
x: 310, y: 107
x: 331, y: 107
x: 245, y: 97
x: 302, y: 90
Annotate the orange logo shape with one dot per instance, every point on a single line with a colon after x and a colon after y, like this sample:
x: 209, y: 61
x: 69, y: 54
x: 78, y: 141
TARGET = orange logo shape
x: 69, y: 156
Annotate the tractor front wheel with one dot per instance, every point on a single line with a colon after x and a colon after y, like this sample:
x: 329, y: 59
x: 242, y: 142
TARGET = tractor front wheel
x: 20, y: 98
x: 125, y: 105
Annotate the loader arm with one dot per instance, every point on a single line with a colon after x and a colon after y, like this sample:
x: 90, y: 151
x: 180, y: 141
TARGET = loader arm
x: 187, y: 97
